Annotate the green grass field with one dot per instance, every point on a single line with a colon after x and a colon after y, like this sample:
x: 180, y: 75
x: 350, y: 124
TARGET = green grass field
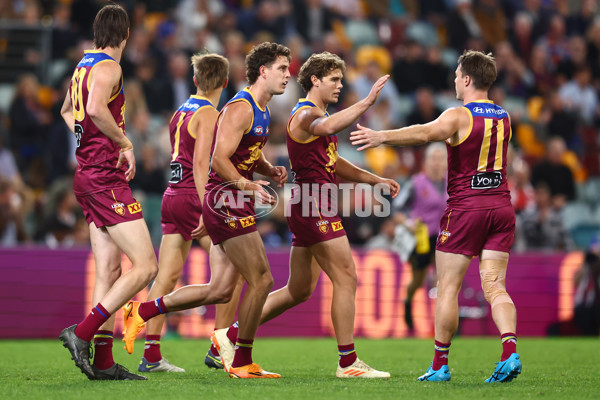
x: 552, y: 369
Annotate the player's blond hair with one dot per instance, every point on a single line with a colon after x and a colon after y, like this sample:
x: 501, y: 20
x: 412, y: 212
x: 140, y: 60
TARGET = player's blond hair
x: 319, y: 65
x: 480, y: 67
x: 210, y: 70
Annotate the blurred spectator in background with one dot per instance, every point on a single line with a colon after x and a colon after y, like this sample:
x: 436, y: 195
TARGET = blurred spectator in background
x: 556, y: 176
x: 576, y: 60
x: 425, y: 109
x: 420, y: 205
x: 580, y: 96
x: 492, y: 21
x: 521, y: 35
x: 60, y: 224
x: 540, y: 227
x: 150, y: 176
x: 521, y: 191
x: 554, y: 41
x: 558, y: 121
x: 373, y: 62
x: 409, y: 71
x: 28, y: 123
x: 462, y: 25
x: 312, y: 20
x: 385, y: 238
x: 11, y: 218
x: 587, y: 291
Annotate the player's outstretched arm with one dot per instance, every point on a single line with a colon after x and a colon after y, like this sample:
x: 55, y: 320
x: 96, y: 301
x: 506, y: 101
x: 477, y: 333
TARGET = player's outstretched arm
x: 67, y: 112
x: 350, y: 172
x: 441, y: 129
x: 325, y: 126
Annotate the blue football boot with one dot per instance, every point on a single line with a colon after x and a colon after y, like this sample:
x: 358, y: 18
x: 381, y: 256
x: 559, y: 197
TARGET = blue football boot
x: 506, y: 370
x: 441, y: 375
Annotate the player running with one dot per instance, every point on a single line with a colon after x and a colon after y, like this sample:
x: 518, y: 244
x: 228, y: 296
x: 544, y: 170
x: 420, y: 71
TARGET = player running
x: 240, y: 134
x: 191, y: 129
x: 479, y: 219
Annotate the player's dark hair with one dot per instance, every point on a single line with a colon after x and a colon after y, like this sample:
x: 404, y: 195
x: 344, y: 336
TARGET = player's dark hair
x: 210, y: 70
x: 319, y: 65
x: 263, y: 54
x: 480, y: 67
x: 111, y: 26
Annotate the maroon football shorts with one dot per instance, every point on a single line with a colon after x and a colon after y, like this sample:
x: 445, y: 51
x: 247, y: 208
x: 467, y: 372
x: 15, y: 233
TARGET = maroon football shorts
x: 224, y: 220
x: 312, y: 225
x: 470, y: 231
x: 110, y: 207
x: 180, y: 212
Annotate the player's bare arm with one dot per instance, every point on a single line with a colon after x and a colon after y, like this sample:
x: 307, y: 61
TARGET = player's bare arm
x: 443, y: 128
x: 67, y: 112
x: 277, y: 173
x: 315, y: 122
x: 105, y: 81
x: 350, y: 172
x: 203, y: 126
x: 236, y: 118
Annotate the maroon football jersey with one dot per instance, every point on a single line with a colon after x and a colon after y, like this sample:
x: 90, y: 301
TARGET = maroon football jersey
x: 314, y: 160
x: 182, y: 143
x: 97, y: 155
x: 254, y: 139
x: 477, y: 165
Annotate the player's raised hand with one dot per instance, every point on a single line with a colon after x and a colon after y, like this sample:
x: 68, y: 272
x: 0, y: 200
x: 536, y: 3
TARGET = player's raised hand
x: 393, y: 185
x: 127, y: 157
x: 366, y: 137
x: 376, y: 89
x: 279, y: 174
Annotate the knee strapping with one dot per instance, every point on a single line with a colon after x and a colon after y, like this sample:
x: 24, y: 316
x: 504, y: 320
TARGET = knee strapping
x: 492, y: 283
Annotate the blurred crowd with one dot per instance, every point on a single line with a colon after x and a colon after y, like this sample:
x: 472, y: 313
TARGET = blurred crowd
x: 548, y: 60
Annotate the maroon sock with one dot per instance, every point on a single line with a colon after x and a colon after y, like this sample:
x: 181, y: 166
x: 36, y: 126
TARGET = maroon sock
x: 85, y: 329
x: 441, y: 355
x: 232, y: 332
x: 243, y: 352
x: 347, y: 355
x: 152, y: 308
x: 103, y: 344
x: 152, y: 348
x: 509, y: 345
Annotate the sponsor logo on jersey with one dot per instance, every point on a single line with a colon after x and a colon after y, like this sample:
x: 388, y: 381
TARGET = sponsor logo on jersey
x: 444, y: 235
x: 119, y: 208
x: 323, y: 226
x: 258, y: 130
x: 231, y: 222
x: 134, y: 208
x: 337, y: 226
x: 192, y: 106
x: 248, y: 221
x: 486, y: 180
x: 478, y: 110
